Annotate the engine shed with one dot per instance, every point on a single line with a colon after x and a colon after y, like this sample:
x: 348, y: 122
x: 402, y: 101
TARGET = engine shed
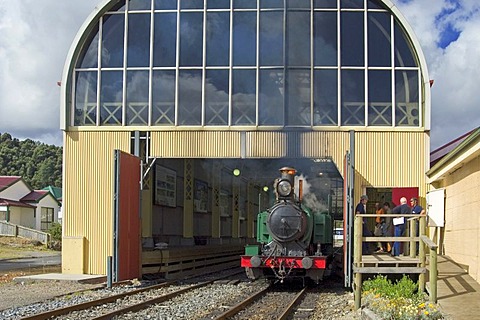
x: 178, y: 114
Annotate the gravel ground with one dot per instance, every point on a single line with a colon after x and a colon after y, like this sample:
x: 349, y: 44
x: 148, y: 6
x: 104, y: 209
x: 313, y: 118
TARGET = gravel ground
x: 333, y: 303
x: 15, y: 294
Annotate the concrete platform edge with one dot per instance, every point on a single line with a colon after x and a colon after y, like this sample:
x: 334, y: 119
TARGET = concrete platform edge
x: 80, y: 278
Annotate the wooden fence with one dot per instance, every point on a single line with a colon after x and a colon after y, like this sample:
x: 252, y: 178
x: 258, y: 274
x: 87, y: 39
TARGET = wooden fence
x: 15, y: 230
x: 407, y: 263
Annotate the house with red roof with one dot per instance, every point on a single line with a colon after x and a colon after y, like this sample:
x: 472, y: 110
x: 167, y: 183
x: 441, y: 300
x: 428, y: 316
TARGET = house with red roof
x: 20, y: 204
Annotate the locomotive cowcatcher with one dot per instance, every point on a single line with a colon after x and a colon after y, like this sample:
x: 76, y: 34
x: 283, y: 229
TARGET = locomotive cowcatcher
x: 294, y: 241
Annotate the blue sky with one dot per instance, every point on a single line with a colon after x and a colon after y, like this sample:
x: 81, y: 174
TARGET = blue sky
x: 35, y: 37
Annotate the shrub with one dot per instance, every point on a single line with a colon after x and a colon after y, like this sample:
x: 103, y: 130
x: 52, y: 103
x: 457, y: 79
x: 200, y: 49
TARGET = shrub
x: 56, y: 231
x: 398, y: 301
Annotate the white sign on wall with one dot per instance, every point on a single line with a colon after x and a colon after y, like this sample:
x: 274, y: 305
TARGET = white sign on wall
x: 436, y: 208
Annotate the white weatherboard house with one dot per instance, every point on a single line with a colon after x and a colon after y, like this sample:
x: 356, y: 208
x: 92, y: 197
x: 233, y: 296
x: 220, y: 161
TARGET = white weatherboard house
x: 20, y: 204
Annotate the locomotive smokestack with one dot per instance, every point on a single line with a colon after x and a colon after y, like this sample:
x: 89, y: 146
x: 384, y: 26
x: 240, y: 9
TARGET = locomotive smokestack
x: 288, y: 174
x: 285, y: 185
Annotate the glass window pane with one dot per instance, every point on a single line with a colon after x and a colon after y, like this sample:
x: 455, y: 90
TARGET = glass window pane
x: 218, y: 38
x: 191, y: 4
x: 407, y: 97
x: 216, y: 97
x: 89, y: 56
x: 138, y: 54
x: 86, y: 99
x: 137, y: 98
x: 120, y: 6
x: 271, y: 38
x: 244, y: 4
x: 165, y: 40
x: 166, y: 4
x: 325, y: 38
x: 379, y: 98
x: 270, y: 99
x: 374, y: 4
x: 298, y: 98
x: 298, y: 4
x: 327, y: 4
x: 163, y: 98
x: 218, y: 4
x: 191, y: 38
x: 353, y: 52
x: 139, y: 5
x: 325, y: 107
x: 111, y: 92
x: 265, y: 4
x: 298, y: 35
x: 112, y: 41
x: 404, y: 56
x: 379, y: 52
x: 244, y: 38
x: 351, y: 4
x: 353, y: 98
x: 190, y: 97
x: 243, y: 97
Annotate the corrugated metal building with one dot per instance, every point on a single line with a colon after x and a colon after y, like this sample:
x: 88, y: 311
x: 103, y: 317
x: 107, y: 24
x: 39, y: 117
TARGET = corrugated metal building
x: 198, y: 88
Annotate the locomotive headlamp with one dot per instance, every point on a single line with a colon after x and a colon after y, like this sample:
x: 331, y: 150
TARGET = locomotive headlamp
x: 284, y: 188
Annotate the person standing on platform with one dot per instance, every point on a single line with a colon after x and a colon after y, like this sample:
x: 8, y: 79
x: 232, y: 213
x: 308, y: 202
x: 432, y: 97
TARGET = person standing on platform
x: 399, y: 224
x: 380, y: 227
x: 416, y: 209
x: 388, y: 225
x: 362, y: 209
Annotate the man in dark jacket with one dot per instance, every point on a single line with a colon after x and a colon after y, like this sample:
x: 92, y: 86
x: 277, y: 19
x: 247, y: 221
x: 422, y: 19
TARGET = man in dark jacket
x: 399, y: 223
x: 362, y: 209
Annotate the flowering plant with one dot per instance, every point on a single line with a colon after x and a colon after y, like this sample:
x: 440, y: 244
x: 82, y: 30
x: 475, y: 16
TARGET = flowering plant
x: 398, y: 301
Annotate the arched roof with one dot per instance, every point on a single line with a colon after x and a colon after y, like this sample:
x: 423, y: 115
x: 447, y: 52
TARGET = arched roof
x: 348, y: 114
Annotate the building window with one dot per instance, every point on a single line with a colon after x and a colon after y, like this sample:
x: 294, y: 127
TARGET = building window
x: 47, y: 218
x: 249, y: 64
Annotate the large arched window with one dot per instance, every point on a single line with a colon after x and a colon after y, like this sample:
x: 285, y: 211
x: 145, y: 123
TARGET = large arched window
x: 247, y: 64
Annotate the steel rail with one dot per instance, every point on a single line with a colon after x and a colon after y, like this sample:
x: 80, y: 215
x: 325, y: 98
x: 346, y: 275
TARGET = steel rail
x: 145, y: 304
x: 89, y: 304
x: 292, y: 304
x: 241, y: 305
x: 93, y: 303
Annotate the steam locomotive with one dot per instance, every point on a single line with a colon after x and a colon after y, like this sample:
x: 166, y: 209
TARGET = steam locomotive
x: 293, y: 241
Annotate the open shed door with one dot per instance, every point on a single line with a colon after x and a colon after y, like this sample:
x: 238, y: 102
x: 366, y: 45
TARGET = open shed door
x: 127, y: 245
x: 348, y: 219
x: 436, y: 208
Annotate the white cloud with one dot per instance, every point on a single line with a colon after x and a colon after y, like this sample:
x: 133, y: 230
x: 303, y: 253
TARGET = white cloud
x: 35, y: 37
x: 455, y: 68
x: 34, y: 40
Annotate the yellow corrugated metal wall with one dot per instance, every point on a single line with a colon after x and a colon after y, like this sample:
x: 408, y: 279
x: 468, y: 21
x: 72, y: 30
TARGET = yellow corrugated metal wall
x: 382, y: 159
x: 88, y: 193
x: 195, y: 144
x: 391, y: 159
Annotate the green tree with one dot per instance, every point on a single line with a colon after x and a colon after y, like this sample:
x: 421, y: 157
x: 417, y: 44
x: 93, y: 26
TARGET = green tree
x: 39, y: 164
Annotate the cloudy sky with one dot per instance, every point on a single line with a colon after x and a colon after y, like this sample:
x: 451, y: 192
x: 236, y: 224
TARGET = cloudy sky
x: 35, y: 36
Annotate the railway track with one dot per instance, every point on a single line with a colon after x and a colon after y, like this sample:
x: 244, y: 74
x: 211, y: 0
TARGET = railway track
x: 132, y: 301
x: 267, y: 303
x: 216, y: 296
